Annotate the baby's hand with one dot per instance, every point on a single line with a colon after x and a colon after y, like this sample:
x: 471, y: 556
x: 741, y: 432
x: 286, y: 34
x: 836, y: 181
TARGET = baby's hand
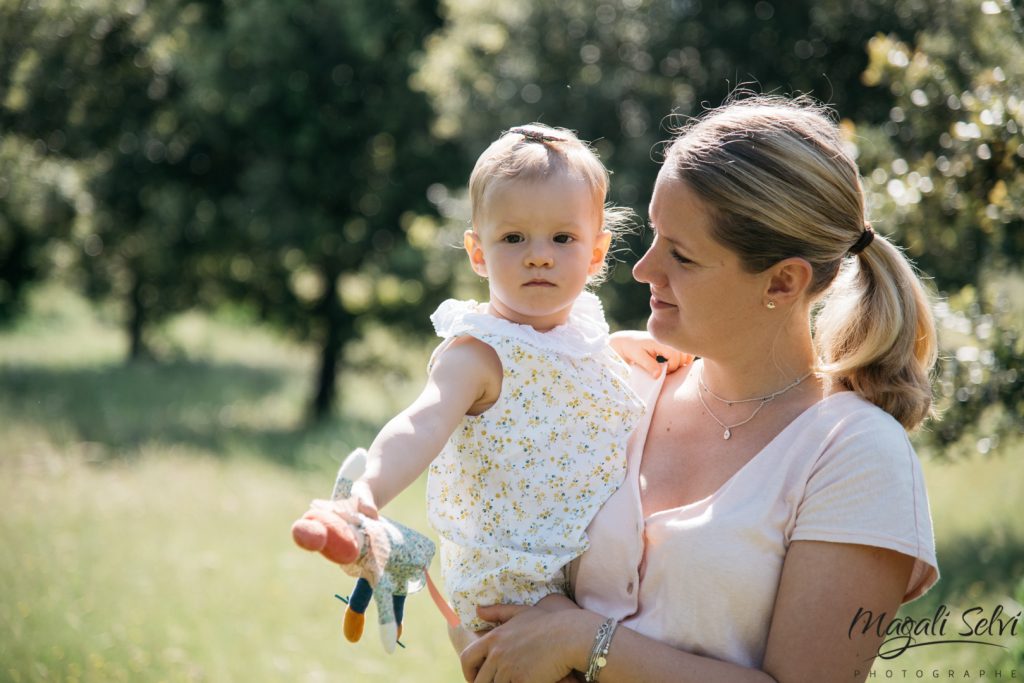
x: 367, y: 506
x: 639, y: 348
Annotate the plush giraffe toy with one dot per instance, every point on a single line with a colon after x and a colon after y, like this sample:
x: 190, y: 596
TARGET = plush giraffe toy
x: 389, y: 560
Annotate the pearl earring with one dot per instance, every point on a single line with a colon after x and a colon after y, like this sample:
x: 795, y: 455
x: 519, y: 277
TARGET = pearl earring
x: 770, y: 305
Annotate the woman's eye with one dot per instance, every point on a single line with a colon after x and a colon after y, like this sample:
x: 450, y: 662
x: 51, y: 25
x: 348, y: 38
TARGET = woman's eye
x: 564, y: 239
x: 512, y: 239
x: 680, y: 258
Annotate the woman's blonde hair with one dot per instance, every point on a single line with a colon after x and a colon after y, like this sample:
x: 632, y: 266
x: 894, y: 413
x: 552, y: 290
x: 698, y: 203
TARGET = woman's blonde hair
x: 537, y: 152
x: 775, y: 175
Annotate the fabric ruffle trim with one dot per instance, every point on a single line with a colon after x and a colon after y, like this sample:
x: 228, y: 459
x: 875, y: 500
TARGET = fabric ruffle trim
x: 585, y: 332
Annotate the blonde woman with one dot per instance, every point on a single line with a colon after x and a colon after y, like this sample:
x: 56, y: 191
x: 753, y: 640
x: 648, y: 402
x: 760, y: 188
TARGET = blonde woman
x: 773, y: 504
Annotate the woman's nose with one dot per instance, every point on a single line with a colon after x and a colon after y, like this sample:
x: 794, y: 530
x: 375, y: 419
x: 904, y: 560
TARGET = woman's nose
x: 643, y: 271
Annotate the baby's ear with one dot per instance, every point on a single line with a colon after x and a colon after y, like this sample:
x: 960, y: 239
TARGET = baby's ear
x: 601, y: 246
x: 475, y: 250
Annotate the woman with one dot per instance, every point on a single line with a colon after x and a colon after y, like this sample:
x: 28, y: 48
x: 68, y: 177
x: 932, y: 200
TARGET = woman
x: 774, y: 515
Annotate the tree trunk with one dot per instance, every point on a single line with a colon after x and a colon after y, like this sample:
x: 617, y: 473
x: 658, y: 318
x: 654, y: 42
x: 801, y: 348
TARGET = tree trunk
x: 137, y: 349
x: 15, y: 272
x: 337, y: 328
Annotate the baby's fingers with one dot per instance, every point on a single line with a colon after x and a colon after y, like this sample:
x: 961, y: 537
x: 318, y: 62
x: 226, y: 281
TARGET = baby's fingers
x: 648, y: 362
x: 367, y: 509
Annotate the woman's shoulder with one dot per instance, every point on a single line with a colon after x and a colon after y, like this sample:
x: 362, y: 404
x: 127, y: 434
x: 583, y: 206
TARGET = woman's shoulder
x: 855, y: 435
x: 846, y: 414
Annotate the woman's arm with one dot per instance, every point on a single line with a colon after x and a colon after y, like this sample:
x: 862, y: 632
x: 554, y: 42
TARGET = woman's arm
x: 822, y: 587
x: 465, y: 378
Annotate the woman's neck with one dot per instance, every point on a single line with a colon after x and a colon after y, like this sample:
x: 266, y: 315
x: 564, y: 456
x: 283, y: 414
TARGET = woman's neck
x: 760, y: 370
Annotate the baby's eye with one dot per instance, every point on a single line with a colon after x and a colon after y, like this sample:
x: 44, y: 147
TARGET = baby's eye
x: 564, y: 239
x: 512, y: 238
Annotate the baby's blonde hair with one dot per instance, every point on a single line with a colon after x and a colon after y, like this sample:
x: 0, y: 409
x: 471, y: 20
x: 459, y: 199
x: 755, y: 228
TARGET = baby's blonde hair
x: 779, y: 183
x: 537, y: 152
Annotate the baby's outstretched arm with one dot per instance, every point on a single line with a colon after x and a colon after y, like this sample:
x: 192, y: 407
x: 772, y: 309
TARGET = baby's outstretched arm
x: 640, y: 348
x: 465, y: 379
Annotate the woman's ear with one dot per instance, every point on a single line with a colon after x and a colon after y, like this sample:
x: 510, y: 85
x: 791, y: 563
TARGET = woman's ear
x: 474, y: 248
x: 601, y: 246
x: 788, y: 280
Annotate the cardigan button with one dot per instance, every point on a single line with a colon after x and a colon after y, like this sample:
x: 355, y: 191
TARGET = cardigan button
x: 629, y: 588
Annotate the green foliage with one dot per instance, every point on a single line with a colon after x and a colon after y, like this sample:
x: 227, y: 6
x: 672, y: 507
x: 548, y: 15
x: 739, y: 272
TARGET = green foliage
x: 98, y: 83
x: 979, y: 382
x: 947, y: 173
x: 327, y: 151
x: 36, y: 208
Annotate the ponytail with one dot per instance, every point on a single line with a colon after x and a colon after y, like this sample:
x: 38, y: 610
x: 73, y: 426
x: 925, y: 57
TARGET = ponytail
x: 876, y: 335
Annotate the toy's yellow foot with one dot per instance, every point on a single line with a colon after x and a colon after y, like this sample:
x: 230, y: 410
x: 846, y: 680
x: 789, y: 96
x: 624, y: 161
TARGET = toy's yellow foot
x: 353, y: 625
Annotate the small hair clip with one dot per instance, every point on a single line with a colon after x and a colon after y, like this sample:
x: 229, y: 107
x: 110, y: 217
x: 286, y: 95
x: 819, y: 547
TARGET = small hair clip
x: 534, y: 135
x: 863, y: 241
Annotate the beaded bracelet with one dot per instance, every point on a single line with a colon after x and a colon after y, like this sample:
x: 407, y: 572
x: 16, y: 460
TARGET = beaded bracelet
x: 599, y: 654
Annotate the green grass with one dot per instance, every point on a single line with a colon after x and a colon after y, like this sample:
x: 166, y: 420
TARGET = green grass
x: 146, y: 511
x: 147, y: 508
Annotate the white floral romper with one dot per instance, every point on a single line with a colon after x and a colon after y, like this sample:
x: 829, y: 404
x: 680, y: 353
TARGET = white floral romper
x: 514, y: 489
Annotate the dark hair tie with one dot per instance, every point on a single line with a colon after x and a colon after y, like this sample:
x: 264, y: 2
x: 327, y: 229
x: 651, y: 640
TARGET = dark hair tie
x: 863, y: 241
x: 535, y: 135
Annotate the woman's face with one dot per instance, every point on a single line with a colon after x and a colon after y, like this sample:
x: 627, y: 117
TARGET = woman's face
x: 702, y: 300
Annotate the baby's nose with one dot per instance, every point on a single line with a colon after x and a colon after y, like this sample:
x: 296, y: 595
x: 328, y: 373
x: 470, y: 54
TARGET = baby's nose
x: 539, y: 258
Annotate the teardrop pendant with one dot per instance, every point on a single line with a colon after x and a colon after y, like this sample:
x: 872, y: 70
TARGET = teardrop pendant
x: 728, y: 433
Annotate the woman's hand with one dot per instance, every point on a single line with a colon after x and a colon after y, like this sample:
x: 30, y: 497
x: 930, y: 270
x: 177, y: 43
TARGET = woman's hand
x: 520, y: 648
x: 640, y: 348
x: 461, y: 637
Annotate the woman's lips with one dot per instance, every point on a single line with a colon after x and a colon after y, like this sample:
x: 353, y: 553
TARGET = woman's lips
x: 657, y: 304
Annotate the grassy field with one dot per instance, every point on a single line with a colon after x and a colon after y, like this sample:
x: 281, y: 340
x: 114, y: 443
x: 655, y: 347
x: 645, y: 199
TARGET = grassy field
x: 146, y: 511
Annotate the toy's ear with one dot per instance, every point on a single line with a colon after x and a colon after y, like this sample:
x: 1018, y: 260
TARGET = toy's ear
x: 353, y: 468
x: 354, y: 465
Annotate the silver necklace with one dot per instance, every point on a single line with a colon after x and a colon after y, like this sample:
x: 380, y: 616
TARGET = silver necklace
x: 764, y: 400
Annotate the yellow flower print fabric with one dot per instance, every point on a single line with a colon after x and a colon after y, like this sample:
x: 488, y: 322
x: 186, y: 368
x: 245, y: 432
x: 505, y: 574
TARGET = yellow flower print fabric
x: 514, y: 489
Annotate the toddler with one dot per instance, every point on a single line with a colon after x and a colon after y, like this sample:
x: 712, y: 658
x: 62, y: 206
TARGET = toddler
x: 526, y: 412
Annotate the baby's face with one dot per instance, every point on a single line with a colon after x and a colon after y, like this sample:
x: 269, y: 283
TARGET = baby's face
x: 537, y: 243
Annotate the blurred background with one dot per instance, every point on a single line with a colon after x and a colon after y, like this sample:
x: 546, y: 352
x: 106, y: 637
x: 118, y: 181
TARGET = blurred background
x: 223, y: 226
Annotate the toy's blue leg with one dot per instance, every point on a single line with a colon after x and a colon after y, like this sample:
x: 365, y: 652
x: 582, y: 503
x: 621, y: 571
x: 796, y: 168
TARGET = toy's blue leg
x: 399, y: 608
x: 355, y: 614
x: 399, y: 601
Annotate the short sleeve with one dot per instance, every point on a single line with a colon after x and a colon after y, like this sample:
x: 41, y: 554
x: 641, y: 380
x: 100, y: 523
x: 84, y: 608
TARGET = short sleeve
x: 867, y: 488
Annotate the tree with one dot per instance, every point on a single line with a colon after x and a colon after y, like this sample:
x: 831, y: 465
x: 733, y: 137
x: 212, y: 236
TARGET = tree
x: 97, y: 82
x: 306, y: 107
